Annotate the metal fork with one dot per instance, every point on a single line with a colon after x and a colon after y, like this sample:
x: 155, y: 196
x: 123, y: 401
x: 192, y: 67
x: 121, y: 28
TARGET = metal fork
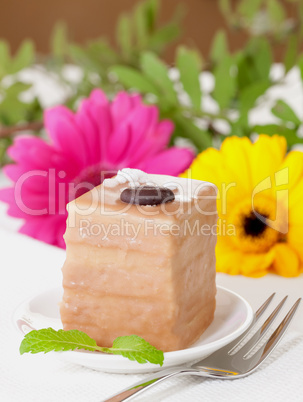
x: 235, y: 360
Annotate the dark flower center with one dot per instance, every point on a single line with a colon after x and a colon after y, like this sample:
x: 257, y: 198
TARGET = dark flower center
x: 253, y: 226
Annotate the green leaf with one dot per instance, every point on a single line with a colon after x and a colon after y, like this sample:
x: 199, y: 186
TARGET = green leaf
x: 141, y: 25
x: 276, y: 11
x: 137, y: 349
x: 152, y: 8
x: 95, y: 57
x: 189, y: 65
x: 186, y: 128
x: 246, y: 71
x: 78, y: 54
x: 240, y: 127
x: 260, y: 58
x: 291, y: 52
x: 219, y: 47
x: 124, y: 35
x: 15, y: 89
x: 225, y: 82
x: 12, y: 110
x: 300, y: 65
x: 132, y: 347
x: 101, y: 54
x: 251, y: 93
x: 249, y: 8
x: 157, y: 72
x: 237, y: 129
x: 162, y: 36
x: 5, y: 58
x: 24, y: 57
x: 225, y: 7
x: 47, y: 340
x: 4, y: 144
x: 133, y: 79
x: 59, y: 40
x: 285, y: 113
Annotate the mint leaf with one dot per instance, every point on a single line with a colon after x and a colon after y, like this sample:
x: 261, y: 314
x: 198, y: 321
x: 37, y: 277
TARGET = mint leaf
x: 137, y: 349
x: 47, y: 340
x: 132, y: 347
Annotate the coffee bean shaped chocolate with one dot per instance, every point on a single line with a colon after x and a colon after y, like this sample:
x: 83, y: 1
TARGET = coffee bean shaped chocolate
x: 147, y: 195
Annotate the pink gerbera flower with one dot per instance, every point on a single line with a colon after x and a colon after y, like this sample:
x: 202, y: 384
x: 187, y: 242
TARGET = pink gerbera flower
x: 85, y: 147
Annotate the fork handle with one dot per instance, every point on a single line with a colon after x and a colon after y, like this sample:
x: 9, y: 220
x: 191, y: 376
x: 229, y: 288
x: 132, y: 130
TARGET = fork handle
x: 129, y: 393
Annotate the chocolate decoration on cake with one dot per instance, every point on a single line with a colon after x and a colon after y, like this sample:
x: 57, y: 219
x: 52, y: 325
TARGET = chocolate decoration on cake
x: 147, y: 195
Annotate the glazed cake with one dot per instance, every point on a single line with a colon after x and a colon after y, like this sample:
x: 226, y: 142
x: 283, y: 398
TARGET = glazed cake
x: 141, y: 260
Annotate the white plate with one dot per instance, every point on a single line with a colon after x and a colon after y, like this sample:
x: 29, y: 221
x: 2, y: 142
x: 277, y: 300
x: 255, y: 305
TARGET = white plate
x: 233, y: 315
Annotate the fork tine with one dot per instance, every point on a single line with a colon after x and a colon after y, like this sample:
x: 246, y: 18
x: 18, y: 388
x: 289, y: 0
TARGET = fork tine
x: 264, y: 306
x: 276, y: 336
x: 262, y: 330
x: 258, y: 315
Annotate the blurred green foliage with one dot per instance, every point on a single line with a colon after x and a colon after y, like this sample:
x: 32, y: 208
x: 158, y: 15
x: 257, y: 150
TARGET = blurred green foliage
x: 135, y: 63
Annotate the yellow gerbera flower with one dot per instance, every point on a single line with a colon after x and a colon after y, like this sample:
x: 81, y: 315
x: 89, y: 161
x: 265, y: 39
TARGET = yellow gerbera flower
x: 260, y: 205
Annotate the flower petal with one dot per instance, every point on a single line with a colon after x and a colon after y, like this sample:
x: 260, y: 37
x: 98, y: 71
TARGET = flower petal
x: 163, y: 132
x: 46, y: 229
x: 87, y: 123
x: 142, y: 120
x: 294, y: 163
x: 235, y: 262
x: 286, y: 262
x: 33, y: 152
x: 210, y: 166
x: 7, y: 194
x: 267, y: 157
x: 236, y: 156
x: 121, y: 107
x: 66, y: 135
x: 98, y: 97
x: 117, y: 152
x: 172, y: 161
x: 154, y: 142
